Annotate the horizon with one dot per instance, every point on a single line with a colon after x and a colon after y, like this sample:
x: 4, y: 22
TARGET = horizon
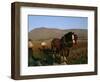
x: 55, y: 28
x: 56, y: 22
x: 59, y: 28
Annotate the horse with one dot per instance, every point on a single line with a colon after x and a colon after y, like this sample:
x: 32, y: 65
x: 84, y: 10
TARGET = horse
x: 56, y: 45
x: 62, y: 46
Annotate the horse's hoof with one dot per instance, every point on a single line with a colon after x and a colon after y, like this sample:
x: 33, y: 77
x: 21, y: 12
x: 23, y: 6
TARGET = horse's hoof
x: 64, y: 63
x: 65, y: 58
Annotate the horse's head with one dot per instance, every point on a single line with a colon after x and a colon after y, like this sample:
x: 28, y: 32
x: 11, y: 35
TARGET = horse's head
x: 69, y: 39
x: 73, y: 38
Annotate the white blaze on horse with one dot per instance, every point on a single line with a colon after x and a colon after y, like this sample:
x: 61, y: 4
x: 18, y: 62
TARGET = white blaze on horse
x: 73, y: 38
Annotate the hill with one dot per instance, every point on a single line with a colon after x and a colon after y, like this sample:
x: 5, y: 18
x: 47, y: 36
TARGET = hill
x: 43, y: 33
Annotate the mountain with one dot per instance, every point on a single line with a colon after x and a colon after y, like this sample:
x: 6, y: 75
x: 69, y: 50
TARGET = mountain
x: 44, y: 33
x: 82, y: 33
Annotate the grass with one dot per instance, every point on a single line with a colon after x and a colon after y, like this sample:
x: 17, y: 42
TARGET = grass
x: 78, y: 54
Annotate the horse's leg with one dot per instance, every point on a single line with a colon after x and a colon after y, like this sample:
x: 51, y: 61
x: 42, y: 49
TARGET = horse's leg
x: 62, y: 55
x: 68, y: 51
x: 65, y: 54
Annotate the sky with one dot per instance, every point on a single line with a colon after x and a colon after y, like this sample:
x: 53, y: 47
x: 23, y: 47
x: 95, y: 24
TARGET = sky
x: 60, y: 22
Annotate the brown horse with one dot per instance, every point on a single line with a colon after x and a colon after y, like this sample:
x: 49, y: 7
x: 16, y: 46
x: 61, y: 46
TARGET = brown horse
x: 56, y: 45
x: 62, y: 46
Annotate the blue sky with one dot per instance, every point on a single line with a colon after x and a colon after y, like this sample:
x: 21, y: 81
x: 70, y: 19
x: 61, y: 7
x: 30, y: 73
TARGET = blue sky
x: 60, y: 22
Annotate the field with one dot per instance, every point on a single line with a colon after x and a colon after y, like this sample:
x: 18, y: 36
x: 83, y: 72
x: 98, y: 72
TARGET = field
x: 78, y: 54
